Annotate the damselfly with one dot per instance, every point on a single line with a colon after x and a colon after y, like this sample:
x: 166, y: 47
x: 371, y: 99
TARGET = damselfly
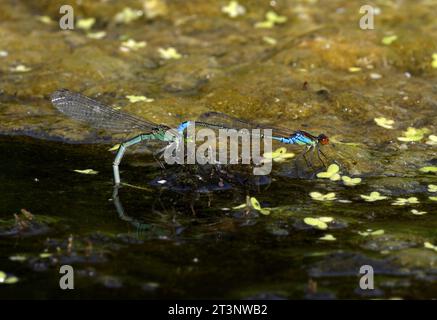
x: 219, y: 120
x: 99, y: 115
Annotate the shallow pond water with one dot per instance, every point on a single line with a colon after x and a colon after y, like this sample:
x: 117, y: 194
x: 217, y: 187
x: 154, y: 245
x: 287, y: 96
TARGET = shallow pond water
x: 316, y: 71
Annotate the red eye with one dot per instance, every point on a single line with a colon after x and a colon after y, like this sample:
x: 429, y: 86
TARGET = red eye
x: 323, y: 139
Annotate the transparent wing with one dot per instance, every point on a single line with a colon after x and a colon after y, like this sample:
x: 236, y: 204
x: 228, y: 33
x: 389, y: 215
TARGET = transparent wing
x: 223, y: 120
x: 97, y: 114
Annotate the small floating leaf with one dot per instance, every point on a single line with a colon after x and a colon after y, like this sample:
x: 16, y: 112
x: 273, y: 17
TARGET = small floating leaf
x: 388, y: 40
x: 96, y: 35
x: 317, y: 223
x: 45, y: 255
x: 279, y: 155
x: 169, y: 53
x: 432, y: 188
x: 18, y: 258
x: 255, y: 204
x: 434, y: 60
x: 272, y: 18
x: 2, y: 276
x: 270, y: 40
x: 323, y: 197
x: 131, y: 44
x: 373, y: 196
x: 432, y: 140
x: 86, y: 171
x: 405, y: 201
x: 127, y: 15
x: 428, y: 169
x: 433, y: 198
x: 328, y: 237
x: 134, y: 99
x: 429, y: 245
x: 331, y: 173
x: 413, y: 134
x: 354, y: 69
x: 369, y: 232
x: 348, y: 181
x: 418, y: 213
x: 85, y: 24
x: 11, y: 280
x: 385, y: 123
x: 21, y: 68
x: 45, y: 19
x: 234, y: 9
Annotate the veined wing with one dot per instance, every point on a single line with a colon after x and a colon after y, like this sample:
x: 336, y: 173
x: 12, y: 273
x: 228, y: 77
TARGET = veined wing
x: 223, y: 120
x: 97, y: 114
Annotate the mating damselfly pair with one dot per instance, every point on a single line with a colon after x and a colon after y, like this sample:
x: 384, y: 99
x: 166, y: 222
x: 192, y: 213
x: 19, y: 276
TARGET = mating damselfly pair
x: 99, y: 115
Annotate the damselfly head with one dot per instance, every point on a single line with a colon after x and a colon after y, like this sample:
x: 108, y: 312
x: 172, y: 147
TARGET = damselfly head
x: 323, y: 139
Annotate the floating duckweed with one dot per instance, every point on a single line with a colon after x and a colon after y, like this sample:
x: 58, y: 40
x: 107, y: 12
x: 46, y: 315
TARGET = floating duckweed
x: 385, y: 123
x: 316, y: 222
x: 169, y: 53
x: 272, y: 18
x: 428, y: 169
x: 279, y: 155
x: 326, y: 219
x: 11, y: 280
x: 433, y: 198
x: 328, y: 237
x: 45, y: 255
x: 405, y: 201
x: 86, y: 171
x: 350, y: 182
x: 96, y: 35
x: 270, y: 40
x: 131, y: 44
x: 323, y: 197
x: 354, y: 69
x: 434, y: 60
x: 429, y: 245
x: 373, y: 196
x: 331, y: 173
x: 3, y: 53
x: 234, y: 9
x: 388, y: 40
x: 375, y: 76
x: 432, y: 140
x: 127, y: 15
x: 45, y: 19
x: 413, y: 134
x: 2, y: 276
x: 85, y: 24
x: 369, y: 232
x: 432, y: 188
x: 418, y: 213
x: 255, y: 204
x: 21, y: 68
x: 134, y: 99
x: 18, y: 258
x: 115, y: 147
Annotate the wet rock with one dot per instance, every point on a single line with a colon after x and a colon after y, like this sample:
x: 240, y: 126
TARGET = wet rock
x: 387, y: 243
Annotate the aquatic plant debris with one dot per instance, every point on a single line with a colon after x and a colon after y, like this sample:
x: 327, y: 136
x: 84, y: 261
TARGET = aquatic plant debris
x: 270, y: 40
x: 233, y: 9
x: 432, y: 140
x: 85, y: 23
x: 429, y: 245
x: 45, y: 19
x: 350, y: 182
x: 354, y: 69
x: 388, y: 40
x: 86, y: 171
x: 169, y: 53
x: 429, y: 169
x: 433, y: 198
x: 127, y: 15
x: 328, y: 237
x: 115, y: 147
x: 373, y: 196
x: 256, y: 205
x: 3, y: 53
x: 18, y: 258
x: 133, y: 99
x: 370, y: 232
x: 331, y: 173
x: 21, y: 68
x: 417, y: 212
x: 413, y: 134
x: 4, y: 278
x: 434, y: 60
x: 385, y: 123
x: 131, y: 44
x: 432, y: 188
x: 316, y: 223
x: 96, y: 35
x: 405, y: 201
x: 271, y: 19
x: 323, y: 197
x: 279, y: 155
